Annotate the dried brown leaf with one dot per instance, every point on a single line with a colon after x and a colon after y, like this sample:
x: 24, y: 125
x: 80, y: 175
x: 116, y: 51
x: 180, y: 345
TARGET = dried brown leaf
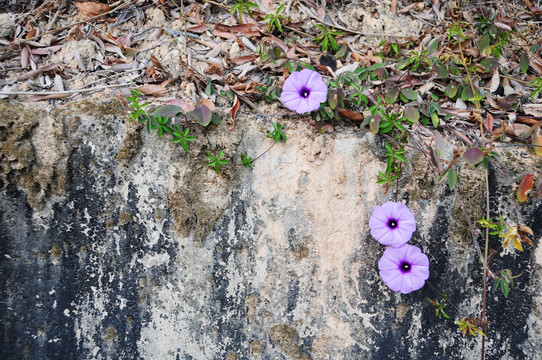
x: 200, y: 29
x: 46, y: 50
x: 352, y: 115
x: 152, y: 89
x: 90, y: 9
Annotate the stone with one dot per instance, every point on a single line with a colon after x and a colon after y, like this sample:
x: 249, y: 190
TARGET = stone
x: 146, y: 253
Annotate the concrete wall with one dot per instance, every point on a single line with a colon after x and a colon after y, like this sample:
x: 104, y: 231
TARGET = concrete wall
x: 115, y: 244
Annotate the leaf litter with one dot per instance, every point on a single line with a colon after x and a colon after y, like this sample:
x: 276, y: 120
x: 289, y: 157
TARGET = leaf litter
x: 172, y: 50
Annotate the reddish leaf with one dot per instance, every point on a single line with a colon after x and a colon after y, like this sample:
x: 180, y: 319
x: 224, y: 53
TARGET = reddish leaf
x: 201, y: 114
x: 210, y: 105
x: 488, y: 124
x: 244, y: 59
x: 151, y: 89
x: 539, y: 192
x: 473, y: 156
x: 537, y: 140
x: 46, y: 50
x: 25, y: 57
x: 90, y: 9
x: 182, y: 104
x: 200, y: 29
x: 352, y: 115
x: 525, y: 187
x: 234, y: 109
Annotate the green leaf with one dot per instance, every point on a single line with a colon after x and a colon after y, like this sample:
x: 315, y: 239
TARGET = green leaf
x: 524, y: 63
x: 451, y: 90
x: 374, y: 124
x: 441, y: 71
x: 412, y: 114
x: 376, y: 66
x: 435, y: 119
x: 433, y: 45
x: 452, y: 178
x: 403, y: 63
x: 409, y: 94
x: 392, y: 95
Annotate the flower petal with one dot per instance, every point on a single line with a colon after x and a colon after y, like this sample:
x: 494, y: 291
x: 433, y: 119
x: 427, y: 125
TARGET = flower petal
x: 289, y: 95
x: 293, y: 104
x: 303, y: 106
x: 294, y: 82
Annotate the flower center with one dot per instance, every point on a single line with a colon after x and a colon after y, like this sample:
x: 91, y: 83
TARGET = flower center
x: 405, y: 267
x: 304, y: 93
x: 392, y: 223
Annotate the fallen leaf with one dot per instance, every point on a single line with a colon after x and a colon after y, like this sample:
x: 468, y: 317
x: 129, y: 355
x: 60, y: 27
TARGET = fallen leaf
x: 151, y: 89
x: 234, y: 109
x: 200, y: 29
x: 352, y: 115
x: 321, y: 15
x: 46, y: 50
x: 537, y: 140
x: 90, y: 9
x: 244, y: 59
x: 25, y: 57
x: 181, y: 103
x: 488, y: 124
x: 525, y: 187
x: 210, y: 105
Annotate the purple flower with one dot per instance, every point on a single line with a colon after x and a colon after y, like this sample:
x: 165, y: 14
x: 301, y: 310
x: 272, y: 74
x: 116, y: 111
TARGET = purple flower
x: 404, y: 268
x: 392, y: 224
x: 304, y: 91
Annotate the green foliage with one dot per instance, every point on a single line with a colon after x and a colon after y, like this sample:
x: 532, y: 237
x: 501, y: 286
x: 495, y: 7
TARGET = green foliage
x: 388, y: 178
x: 242, y: 6
x: 496, y: 228
x: 269, y: 90
x: 181, y: 135
x: 216, y: 161
x: 161, y: 124
x: 274, y: 19
x: 456, y: 33
x: 439, y: 307
x: 393, y: 155
x: 246, y: 161
x: 277, y: 134
x: 536, y: 83
x: 469, y: 326
x: 138, y: 113
x: 326, y: 37
x: 209, y: 88
x: 390, y: 121
x: 505, y: 281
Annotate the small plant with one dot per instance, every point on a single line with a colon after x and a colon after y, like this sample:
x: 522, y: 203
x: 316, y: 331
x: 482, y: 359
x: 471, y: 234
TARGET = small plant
x: 242, y: 6
x: 505, y: 281
x: 246, y: 161
x: 138, y: 113
x: 327, y: 38
x: 439, y: 307
x: 274, y: 19
x: 468, y: 325
x: 269, y: 90
x: 181, y: 136
x: 277, y: 134
x: 216, y: 161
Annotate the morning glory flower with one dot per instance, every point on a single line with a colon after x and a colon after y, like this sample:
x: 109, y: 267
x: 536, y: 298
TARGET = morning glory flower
x: 404, y: 268
x: 392, y: 224
x: 304, y: 91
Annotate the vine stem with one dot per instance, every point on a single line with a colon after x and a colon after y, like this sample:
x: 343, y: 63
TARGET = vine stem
x: 486, y: 177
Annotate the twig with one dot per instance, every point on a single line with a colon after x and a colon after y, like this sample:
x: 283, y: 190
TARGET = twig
x: 74, y: 91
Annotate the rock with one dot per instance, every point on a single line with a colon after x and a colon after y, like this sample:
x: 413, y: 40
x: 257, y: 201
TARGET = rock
x: 117, y: 250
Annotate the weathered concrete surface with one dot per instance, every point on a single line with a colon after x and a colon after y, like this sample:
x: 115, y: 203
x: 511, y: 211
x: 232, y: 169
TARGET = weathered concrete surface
x: 115, y: 244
